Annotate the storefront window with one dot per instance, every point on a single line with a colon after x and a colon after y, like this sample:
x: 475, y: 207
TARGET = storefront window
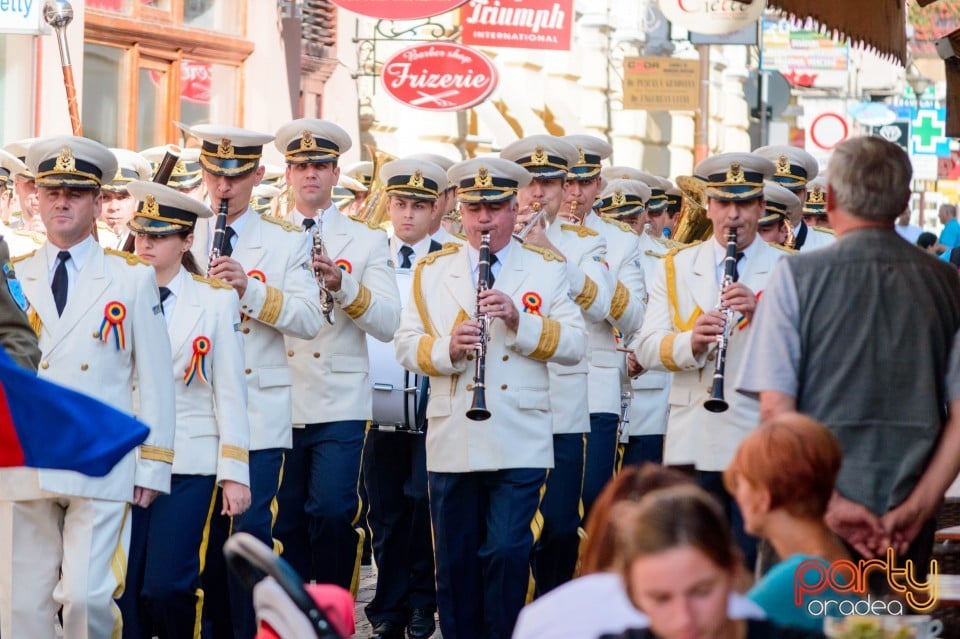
x: 16, y: 87
x: 151, y: 107
x: 103, y: 109
x: 208, y: 92
x: 116, y: 6
x: 216, y: 15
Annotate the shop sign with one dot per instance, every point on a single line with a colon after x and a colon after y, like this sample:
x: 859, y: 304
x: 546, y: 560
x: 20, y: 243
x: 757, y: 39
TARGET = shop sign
x: 20, y: 16
x: 661, y: 84
x: 712, y: 16
x: 439, y: 76
x: 518, y: 24
x: 195, y: 80
x: 397, y: 9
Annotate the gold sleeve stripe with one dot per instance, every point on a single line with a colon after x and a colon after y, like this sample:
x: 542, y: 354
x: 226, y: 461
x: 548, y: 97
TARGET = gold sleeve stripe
x: 666, y: 352
x: 155, y: 453
x: 270, y: 312
x: 549, y: 339
x: 360, y: 303
x: 425, y: 356
x: 235, y: 452
x: 419, y: 301
x: 621, y: 298
x: 671, y: 272
x: 35, y: 322
x: 589, y: 293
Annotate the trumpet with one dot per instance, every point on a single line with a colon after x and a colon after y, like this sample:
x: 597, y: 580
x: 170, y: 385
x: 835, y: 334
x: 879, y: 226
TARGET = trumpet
x: 478, y: 411
x: 318, y: 249
x: 537, y: 214
x: 716, y: 403
x: 219, y: 233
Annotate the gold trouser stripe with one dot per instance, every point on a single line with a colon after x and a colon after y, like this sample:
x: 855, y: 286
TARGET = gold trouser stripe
x: 272, y: 305
x: 581, y: 531
x: 536, y: 527
x: 549, y: 339
x: 587, y: 294
x: 666, y: 352
x: 361, y: 530
x: 671, y: 273
x: 425, y: 356
x: 360, y: 303
x: 275, y: 509
x: 621, y: 298
x: 204, y: 543
x: 118, y: 565
x: 621, y: 452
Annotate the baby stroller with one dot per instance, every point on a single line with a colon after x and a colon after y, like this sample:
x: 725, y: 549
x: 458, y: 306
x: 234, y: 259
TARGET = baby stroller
x: 286, y: 607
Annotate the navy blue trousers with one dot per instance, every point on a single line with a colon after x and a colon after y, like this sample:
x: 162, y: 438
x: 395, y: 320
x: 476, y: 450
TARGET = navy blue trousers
x: 712, y: 482
x: 484, y: 530
x: 229, y: 613
x: 318, y: 523
x: 395, y: 475
x: 555, y: 555
x: 641, y: 449
x: 601, y: 456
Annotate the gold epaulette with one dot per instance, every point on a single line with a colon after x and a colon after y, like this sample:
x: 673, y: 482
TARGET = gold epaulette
x: 579, y: 229
x: 683, y: 247
x: 453, y: 245
x: 623, y: 226
x: 290, y: 227
x: 36, y: 236
x: 448, y: 249
x: 547, y: 254
x: 368, y: 223
x: 781, y: 247
x: 131, y: 259
x: 659, y: 256
x: 16, y: 259
x: 211, y: 281
x: 823, y: 229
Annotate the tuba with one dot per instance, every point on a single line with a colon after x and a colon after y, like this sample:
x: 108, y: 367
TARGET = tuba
x: 374, y: 210
x: 694, y: 225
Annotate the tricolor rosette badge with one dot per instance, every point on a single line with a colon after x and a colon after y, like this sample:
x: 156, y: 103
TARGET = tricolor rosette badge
x: 113, y: 315
x: 260, y: 277
x: 198, y: 363
x: 344, y: 265
x: 532, y: 303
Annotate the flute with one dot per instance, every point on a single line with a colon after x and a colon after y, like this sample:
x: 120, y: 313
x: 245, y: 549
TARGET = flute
x: 478, y: 411
x: 716, y: 403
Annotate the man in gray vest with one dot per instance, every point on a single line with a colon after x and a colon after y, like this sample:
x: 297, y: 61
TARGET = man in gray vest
x: 861, y: 336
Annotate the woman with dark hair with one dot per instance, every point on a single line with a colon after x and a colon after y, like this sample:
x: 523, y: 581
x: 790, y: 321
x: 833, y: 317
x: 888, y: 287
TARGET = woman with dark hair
x: 678, y: 561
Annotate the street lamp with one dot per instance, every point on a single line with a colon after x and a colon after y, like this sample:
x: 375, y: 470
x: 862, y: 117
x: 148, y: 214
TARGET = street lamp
x: 917, y: 81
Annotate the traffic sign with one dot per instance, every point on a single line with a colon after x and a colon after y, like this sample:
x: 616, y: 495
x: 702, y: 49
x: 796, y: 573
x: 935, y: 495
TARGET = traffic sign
x: 828, y: 130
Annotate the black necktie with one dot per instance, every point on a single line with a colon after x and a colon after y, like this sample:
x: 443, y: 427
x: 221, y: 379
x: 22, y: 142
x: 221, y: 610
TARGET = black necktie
x: 228, y: 236
x: 493, y: 278
x: 308, y: 223
x: 164, y: 294
x: 736, y: 269
x: 59, y: 286
x: 406, y: 252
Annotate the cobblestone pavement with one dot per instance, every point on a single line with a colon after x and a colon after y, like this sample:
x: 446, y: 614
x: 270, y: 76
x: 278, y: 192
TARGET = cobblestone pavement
x: 368, y: 583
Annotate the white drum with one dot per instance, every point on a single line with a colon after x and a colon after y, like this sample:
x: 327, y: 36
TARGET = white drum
x: 396, y: 391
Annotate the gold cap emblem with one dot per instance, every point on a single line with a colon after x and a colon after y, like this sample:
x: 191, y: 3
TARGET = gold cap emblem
x: 65, y: 161
x: 225, y: 150
x: 119, y: 175
x: 582, y: 160
x: 783, y: 165
x: 618, y: 198
x: 416, y: 180
x: 483, y: 179
x: 307, y: 141
x: 735, y: 174
x: 150, y: 207
x: 179, y: 168
x: 816, y: 196
x: 539, y: 157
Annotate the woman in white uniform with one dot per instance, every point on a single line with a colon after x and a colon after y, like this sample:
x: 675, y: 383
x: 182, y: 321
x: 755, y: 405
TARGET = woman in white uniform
x: 212, y: 435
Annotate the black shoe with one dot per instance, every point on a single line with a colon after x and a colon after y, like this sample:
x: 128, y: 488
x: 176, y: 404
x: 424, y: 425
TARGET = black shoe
x: 387, y: 630
x: 421, y: 624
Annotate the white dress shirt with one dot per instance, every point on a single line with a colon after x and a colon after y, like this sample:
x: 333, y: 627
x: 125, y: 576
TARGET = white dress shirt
x: 78, y: 256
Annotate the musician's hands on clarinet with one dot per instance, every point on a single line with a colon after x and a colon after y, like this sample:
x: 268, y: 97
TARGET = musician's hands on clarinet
x: 333, y: 276
x: 741, y: 299
x: 230, y: 271
x: 464, y: 339
x: 466, y: 336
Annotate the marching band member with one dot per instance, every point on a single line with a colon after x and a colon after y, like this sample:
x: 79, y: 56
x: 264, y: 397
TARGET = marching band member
x: 674, y: 206
x: 19, y: 241
x: 394, y: 464
x: 626, y: 310
x: 25, y: 188
x: 815, y: 206
x: 583, y: 250
x: 118, y: 205
x: 781, y: 205
x: 319, y: 521
x: 187, y: 174
x: 212, y: 431
x: 486, y: 478
x: 445, y: 203
x: 267, y: 262
x: 683, y: 323
x: 794, y: 169
x: 69, y: 533
x: 349, y: 195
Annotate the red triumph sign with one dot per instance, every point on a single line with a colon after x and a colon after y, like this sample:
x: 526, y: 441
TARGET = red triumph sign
x: 439, y: 76
x: 399, y: 9
x: 520, y: 24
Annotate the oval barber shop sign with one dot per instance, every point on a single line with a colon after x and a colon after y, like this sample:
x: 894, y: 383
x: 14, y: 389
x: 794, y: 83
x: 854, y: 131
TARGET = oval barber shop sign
x: 713, y: 17
x: 439, y: 76
x: 399, y: 9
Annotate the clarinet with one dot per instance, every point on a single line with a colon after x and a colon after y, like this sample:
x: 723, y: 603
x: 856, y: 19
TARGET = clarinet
x: 478, y: 409
x: 219, y: 233
x: 716, y: 403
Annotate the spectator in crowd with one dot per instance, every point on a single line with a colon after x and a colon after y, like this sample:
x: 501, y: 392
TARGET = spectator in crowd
x: 928, y: 242
x: 906, y: 230
x: 950, y: 235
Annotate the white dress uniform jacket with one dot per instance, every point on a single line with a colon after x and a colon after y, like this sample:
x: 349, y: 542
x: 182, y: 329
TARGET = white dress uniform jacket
x: 685, y: 286
x: 519, y: 433
x: 331, y: 372
x: 213, y: 433
x: 74, y: 355
x: 282, y: 298
x: 591, y: 287
x: 627, y: 307
x: 817, y: 238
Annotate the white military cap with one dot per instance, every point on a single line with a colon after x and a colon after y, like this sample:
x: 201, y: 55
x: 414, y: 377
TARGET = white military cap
x: 71, y: 161
x: 164, y: 210
x: 309, y: 140
x: 10, y: 165
x: 130, y: 166
x: 545, y: 156
x: 487, y: 179
x: 794, y: 166
x: 734, y: 176
x: 816, y: 201
x: 781, y: 203
x: 348, y: 183
x: 591, y: 151
x: 622, y: 198
x: 187, y: 172
x: 361, y: 172
x: 658, y: 186
x: 674, y: 198
x: 414, y: 179
x: 228, y: 150
x: 440, y: 160
x: 263, y: 196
